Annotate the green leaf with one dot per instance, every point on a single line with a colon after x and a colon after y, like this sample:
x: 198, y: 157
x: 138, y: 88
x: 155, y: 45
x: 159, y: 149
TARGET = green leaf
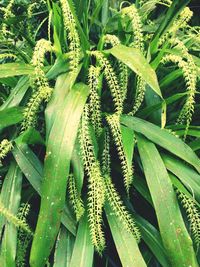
x: 83, y: 251
x: 141, y: 186
x: 134, y: 59
x: 195, y: 145
x: 190, y: 132
x: 171, y: 77
x: 10, y: 116
x: 56, y: 170
x: 188, y: 176
x: 128, y: 139
x: 125, y: 242
x: 77, y: 167
x: 60, y: 66
x: 10, y: 197
x: 10, y: 81
x: 177, y: 184
x: 16, y: 94
x: 64, y: 248
x: 15, y: 69
x: 32, y: 168
x: 176, y: 239
x: 63, y: 85
x: 30, y: 137
x: 152, y: 238
x: 29, y: 165
x: 163, y: 138
x: 147, y: 112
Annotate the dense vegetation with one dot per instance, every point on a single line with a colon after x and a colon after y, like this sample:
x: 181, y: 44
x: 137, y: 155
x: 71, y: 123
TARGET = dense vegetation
x: 99, y: 133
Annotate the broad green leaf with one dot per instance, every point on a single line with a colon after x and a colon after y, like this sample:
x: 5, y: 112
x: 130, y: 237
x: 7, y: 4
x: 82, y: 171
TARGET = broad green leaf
x: 175, y: 237
x: 10, y: 81
x: 18, y: 69
x: 32, y: 168
x: 128, y: 139
x: 63, y: 85
x: 10, y: 116
x: 60, y: 66
x: 190, y: 132
x: 134, y: 59
x: 152, y: 238
x: 146, y: 112
x: 163, y: 138
x: 195, y: 145
x: 15, y: 69
x: 151, y: 99
x: 83, y: 251
x: 64, y: 248
x: 16, y: 94
x: 77, y: 167
x: 29, y: 164
x: 10, y: 197
x: 56, y: 170
x: 171, y: 77
x: 30, y: 137
x: 141, y: 186
x: 177, y: 184
x: 188, y: 176
x: 125, y: 242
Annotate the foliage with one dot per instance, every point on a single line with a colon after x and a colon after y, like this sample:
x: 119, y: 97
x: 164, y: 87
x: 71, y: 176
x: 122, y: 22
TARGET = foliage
x: 99, y: 128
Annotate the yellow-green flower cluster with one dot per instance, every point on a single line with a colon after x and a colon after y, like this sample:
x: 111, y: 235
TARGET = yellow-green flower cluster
x: 23, y: 238
x: 42, y: 47
x: 193, y: 215
x: 33, y: 106
x: 182, y: 20
x: 42, y: 91
x: 105, y: 160
x: 73, y: 37
x: 5, y: 147
x: 132, y: 13
x: 30, y: 10
x: 7, y: 55
x: 7, y: 14
x: 190, y: 76
x: 14, y: 219
x: 114, y: 123
x: 120, y: 210
x: 95, y: 102
x: 123, y: 79
x: 111, y: 79
x: 123, y: 70
x: 180, y: 23
x: 96, y: 192
x: 140, y: 93
x: 75, y: 199
x: 193, y: 33
x: 111, y: 39
x: 96, y: 188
